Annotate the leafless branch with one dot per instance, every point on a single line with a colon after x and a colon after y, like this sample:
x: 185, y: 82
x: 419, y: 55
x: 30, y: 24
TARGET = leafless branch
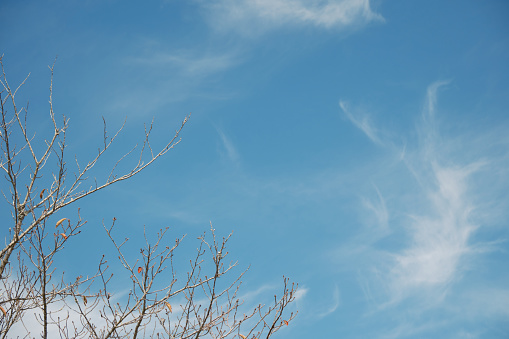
x: 162, y: 300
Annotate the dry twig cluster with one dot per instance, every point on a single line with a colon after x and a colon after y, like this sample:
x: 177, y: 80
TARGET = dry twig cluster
x: 160, y: 303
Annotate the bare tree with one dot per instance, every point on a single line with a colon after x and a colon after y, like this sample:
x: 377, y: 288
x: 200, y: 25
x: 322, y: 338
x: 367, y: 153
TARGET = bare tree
x: 161, y: 302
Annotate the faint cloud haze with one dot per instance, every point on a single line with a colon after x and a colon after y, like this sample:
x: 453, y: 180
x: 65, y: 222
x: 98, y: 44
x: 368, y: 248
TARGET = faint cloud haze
x: 190, y: 62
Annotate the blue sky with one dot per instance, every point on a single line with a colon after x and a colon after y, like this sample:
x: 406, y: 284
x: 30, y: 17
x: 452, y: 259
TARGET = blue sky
x: 358, y: 147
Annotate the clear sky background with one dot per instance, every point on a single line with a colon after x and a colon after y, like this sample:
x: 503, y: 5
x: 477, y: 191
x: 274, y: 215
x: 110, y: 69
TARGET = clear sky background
x: 359, y: 147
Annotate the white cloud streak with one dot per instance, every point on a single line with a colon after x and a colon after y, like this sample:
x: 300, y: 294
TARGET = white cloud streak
x: 335, y: 303
x: 301, y: 293
x: 256, y: 16
x: 231, y: 151
x: 431, y: 97
x: 361, y: 121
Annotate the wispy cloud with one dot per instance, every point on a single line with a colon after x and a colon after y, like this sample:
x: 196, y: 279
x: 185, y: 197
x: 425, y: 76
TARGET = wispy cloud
x: 442, y: 197
x: 335, y: 303
x: 379, y: 209
x: 30, y: 325
x: 301, y: 293
x: 440, y: 238
x: 440, y: 229
x: 228, y: 146
x: 164, y: 77
x: 188, y: 62
x: 431, y: 97
x: 254, y: 17
x: 362, y: 121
